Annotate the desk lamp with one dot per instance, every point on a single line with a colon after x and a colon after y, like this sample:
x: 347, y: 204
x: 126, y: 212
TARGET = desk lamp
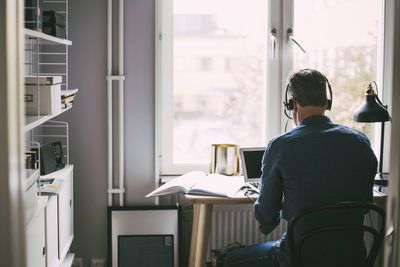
x: 374, y: 111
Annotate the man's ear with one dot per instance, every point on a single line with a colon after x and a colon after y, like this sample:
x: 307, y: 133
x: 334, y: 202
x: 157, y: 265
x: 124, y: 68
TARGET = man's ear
x: 326, y: 105
x: 294, y: 104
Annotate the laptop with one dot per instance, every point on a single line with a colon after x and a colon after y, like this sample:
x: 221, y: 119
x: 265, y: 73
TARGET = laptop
x: 251, y: 159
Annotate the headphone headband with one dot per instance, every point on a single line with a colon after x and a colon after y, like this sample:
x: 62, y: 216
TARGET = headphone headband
x: 289, y: 105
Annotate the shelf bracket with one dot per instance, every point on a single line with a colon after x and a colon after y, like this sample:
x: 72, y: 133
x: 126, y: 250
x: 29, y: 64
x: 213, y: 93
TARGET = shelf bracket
x: 115, y: 77
x: 116, y: 190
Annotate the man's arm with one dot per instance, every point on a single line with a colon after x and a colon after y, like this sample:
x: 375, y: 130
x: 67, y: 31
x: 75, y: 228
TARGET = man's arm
x: 373, y: 164
x: 269, y: 203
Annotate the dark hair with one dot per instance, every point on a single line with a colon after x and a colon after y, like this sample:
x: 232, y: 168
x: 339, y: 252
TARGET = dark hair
x: 308, y: 87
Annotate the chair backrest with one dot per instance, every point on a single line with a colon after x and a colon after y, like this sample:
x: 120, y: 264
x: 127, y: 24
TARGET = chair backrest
x: 296, y: 240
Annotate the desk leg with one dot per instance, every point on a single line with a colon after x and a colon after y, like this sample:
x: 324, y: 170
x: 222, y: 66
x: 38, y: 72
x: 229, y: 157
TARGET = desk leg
x: 200, y: 234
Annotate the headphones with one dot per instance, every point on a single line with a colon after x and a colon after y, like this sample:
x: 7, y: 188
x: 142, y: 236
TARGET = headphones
x: 289, y: 105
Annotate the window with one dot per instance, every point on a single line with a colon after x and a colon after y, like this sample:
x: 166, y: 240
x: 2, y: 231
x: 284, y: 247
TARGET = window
x: 205, y: 63
x: 233, y: 64
x: 221, y: 74
x: 346, y: 51
x: 219, y: 95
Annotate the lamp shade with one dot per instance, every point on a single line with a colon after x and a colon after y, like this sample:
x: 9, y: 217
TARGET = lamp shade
x: 372, y: 110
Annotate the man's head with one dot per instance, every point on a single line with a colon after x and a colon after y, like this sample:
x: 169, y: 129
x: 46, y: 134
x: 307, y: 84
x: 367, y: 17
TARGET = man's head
x: 308, y: 87
x: 308, y: 90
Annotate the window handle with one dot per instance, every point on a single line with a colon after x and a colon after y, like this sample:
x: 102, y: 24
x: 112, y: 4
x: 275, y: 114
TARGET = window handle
x: 274, y: 43
x: 389, y: 234
x: 291, y: 38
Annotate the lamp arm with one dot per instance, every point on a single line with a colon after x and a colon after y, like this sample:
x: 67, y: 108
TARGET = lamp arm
x: 377, y: 94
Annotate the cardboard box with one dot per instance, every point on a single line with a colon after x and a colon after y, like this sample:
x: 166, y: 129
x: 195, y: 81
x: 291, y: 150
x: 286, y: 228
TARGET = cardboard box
x: 44, y: 80
x: 50, y: 99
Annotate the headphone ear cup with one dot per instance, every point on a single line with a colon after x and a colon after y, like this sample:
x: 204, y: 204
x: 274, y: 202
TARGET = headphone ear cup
x: 290, y: 105
x: 329, y: 105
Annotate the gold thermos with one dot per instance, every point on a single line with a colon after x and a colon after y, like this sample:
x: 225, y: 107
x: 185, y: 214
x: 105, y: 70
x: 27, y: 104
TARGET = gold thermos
x: 224, y: 159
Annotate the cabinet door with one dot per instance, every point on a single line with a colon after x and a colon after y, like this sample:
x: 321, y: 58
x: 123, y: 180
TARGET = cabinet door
x: 35, y: 241
x: 65, y: 217
x: 52, y: 256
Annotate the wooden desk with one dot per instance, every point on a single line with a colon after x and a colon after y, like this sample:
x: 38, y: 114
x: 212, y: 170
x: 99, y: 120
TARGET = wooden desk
x: 202, y: 215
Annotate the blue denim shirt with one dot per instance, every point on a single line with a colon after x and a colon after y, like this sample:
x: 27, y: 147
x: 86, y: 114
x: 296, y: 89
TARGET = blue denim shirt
x: 317, y: 162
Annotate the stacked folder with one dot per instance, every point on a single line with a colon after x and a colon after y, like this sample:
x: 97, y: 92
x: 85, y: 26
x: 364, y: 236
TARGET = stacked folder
x: 67, y: 97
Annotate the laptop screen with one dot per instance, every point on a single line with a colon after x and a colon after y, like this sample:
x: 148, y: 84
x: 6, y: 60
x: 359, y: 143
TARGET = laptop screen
x: 251, y: 159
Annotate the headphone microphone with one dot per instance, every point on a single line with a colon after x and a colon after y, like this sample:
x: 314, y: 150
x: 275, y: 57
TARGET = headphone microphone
x: 289, y: 104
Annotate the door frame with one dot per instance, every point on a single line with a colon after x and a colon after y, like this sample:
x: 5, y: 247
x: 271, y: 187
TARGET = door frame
x: 12, y: 232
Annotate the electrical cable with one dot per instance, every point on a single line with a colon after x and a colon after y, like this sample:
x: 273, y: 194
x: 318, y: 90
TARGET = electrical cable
x: 248, y: 192
x: 287, y: 121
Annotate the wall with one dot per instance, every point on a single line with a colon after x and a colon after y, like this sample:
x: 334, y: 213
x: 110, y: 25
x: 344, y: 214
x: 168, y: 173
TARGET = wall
x: 88, y: 117
x: 139, y: 102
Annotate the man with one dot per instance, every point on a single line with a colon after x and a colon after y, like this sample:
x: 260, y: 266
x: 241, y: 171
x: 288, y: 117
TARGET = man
x: 317, y: 162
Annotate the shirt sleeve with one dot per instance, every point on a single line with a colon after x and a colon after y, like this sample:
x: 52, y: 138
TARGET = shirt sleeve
x: 269, y: 203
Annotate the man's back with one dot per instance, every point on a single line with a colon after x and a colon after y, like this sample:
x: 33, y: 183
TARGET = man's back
x: 318, y: 162
x: 331, y: 163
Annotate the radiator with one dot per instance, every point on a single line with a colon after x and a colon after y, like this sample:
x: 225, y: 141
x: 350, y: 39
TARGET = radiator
x: 232, y: 223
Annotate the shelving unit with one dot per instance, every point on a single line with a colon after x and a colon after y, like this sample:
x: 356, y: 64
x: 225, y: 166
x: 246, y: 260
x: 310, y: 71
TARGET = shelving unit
x: 32, y: 122
x: 47, y: 55
x: 46, y: 37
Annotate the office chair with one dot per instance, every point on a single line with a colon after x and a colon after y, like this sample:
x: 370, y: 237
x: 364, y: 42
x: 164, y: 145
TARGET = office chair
x: 332, y: 226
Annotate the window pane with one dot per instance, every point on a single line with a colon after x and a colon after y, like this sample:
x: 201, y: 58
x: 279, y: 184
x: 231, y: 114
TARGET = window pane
x: 219, y: 75
x: 341, y: 38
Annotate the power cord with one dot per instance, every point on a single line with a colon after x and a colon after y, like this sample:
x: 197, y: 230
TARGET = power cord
x: 287, y: 121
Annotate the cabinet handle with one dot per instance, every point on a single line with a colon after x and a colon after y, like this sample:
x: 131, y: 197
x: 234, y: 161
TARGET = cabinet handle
x: 44, y: 251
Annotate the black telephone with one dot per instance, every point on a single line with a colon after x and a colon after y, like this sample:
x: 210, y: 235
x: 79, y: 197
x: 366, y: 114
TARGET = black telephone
x: 51, y: 158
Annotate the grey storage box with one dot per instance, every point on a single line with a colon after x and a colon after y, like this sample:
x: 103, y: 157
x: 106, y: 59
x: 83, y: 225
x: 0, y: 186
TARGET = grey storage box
x: 50, y: 99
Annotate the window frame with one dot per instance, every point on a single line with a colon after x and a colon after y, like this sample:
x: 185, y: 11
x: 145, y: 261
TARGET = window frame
x: 281, y: 18
x: 163, y: 95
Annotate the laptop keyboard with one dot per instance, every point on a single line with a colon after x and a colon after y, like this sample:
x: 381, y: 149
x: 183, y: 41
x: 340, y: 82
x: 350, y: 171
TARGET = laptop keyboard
x: 255, y: 184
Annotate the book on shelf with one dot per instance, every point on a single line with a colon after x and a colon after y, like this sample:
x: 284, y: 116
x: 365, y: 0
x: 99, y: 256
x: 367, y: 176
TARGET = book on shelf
x: 67, y: 93
x: 67, y: 99
x: 199, y: 183
x: 33, y: 14
x: 66, y: 105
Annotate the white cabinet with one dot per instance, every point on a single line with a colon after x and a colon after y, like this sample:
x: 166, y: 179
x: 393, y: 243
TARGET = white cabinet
x: 59, y: 216
x: 52, y: 257
x: 35, y: 240
x: 65, y: 215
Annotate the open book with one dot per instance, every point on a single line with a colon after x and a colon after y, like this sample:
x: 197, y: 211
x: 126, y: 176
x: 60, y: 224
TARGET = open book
x: 199, y: 183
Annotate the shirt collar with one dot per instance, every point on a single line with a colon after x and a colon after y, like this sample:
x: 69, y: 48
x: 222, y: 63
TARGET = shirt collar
x: 316, y: 119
